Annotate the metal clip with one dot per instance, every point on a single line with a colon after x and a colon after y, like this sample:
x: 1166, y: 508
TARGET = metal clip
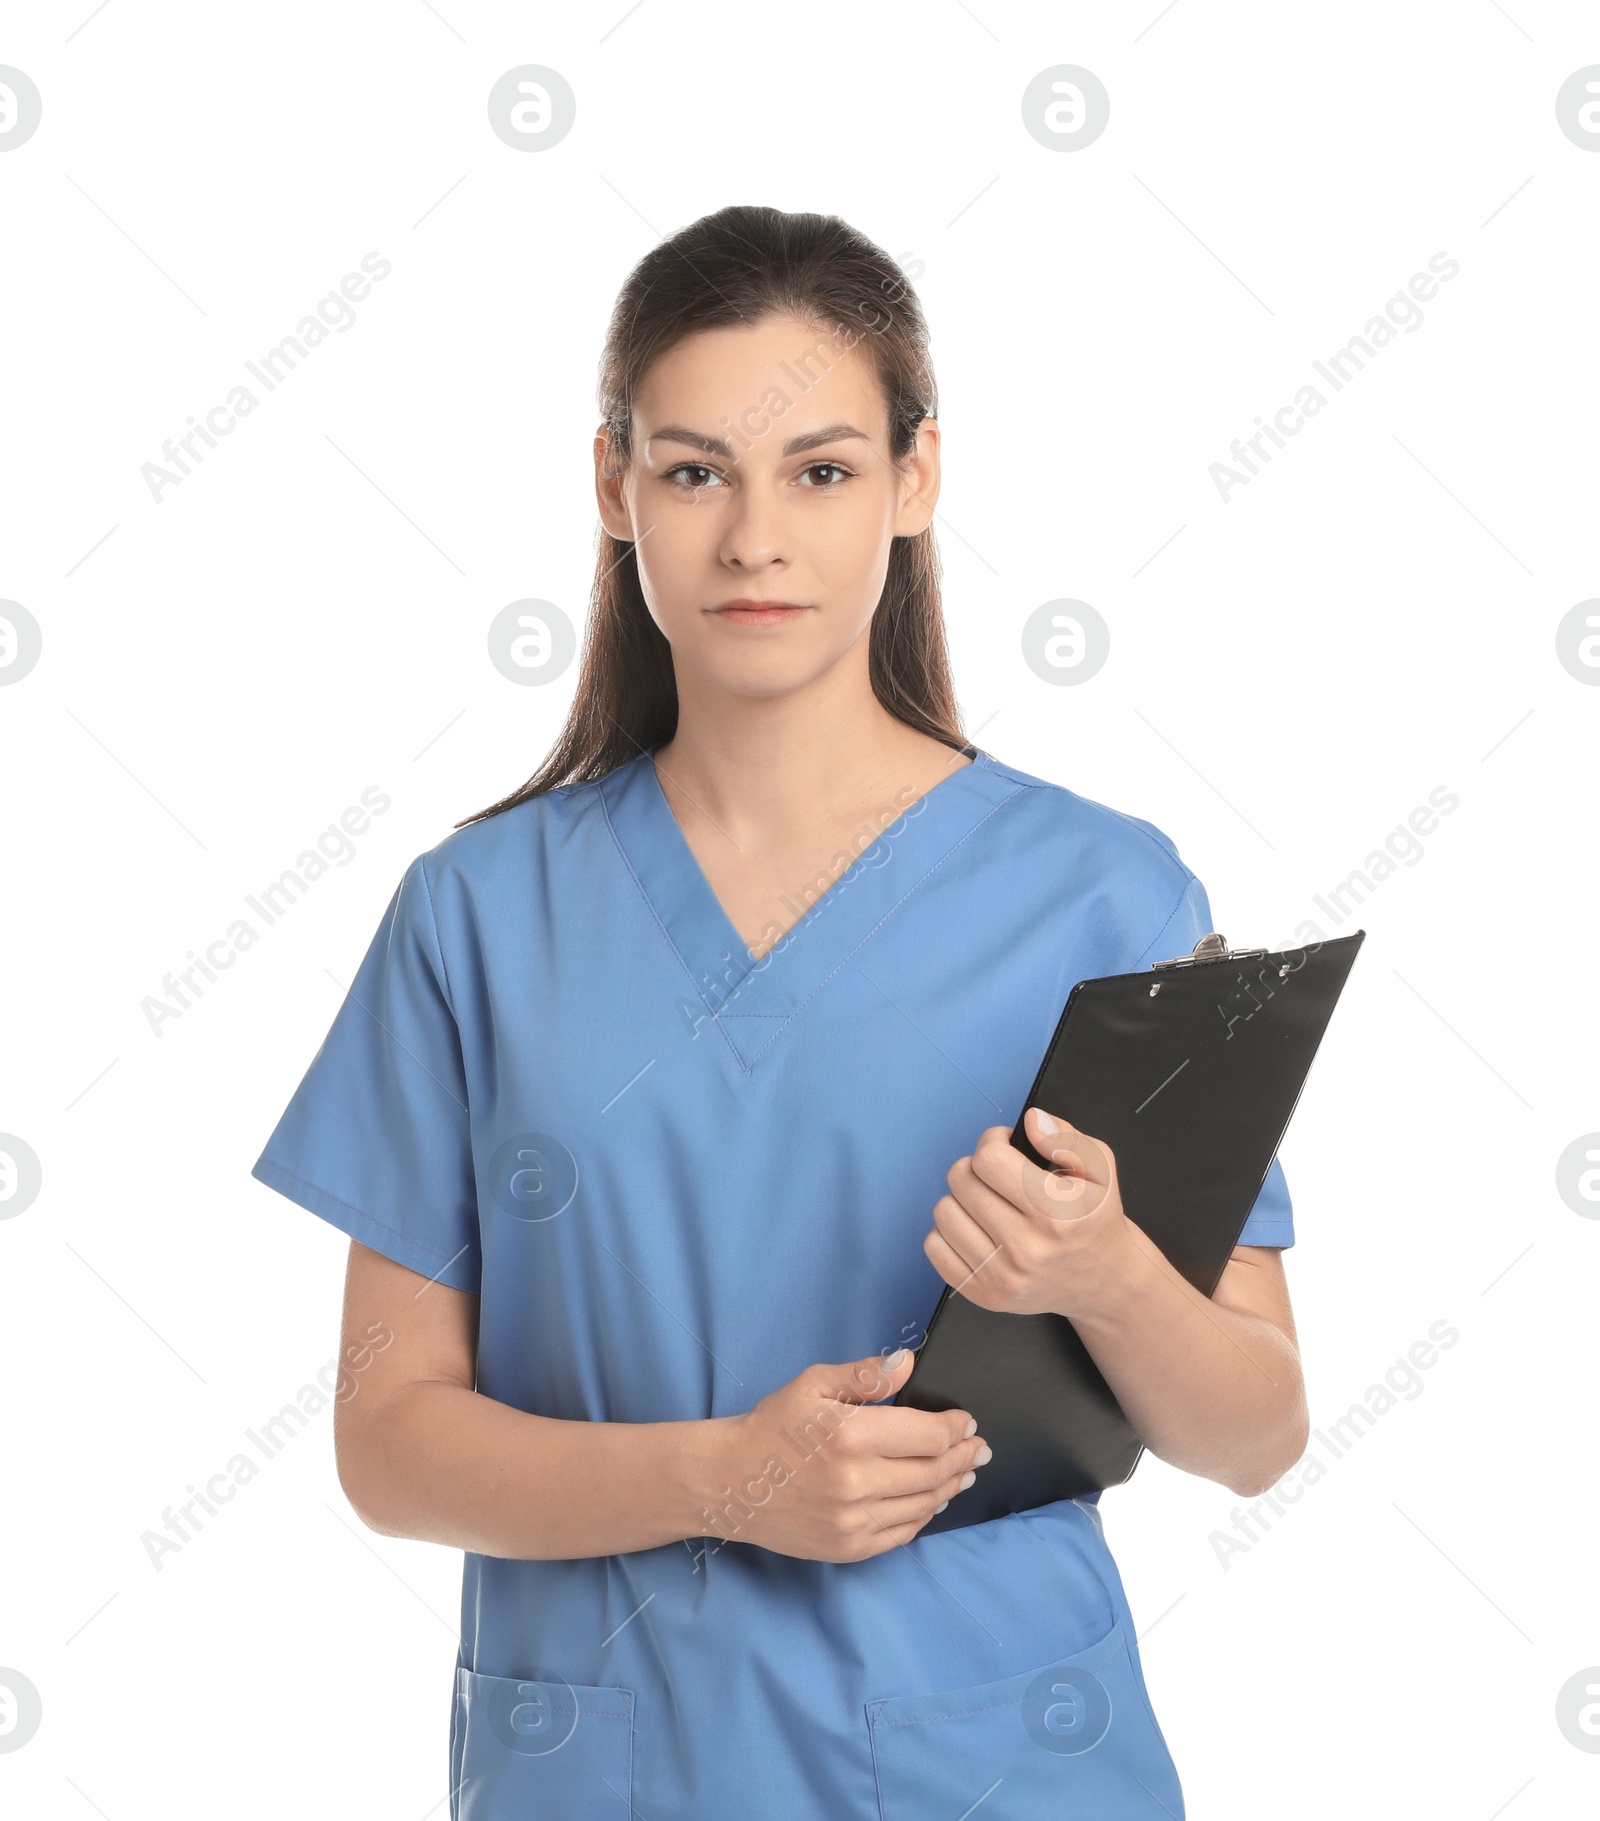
x: 1210, y: 947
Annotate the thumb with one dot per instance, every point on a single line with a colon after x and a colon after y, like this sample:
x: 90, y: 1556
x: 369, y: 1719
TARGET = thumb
x: 869, y: 1380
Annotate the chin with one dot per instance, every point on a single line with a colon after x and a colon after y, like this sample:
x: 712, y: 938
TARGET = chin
x: 763, y: 681
x: 776, y: 667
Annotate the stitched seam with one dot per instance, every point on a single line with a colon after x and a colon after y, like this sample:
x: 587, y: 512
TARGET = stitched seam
x: 672, y: 947
x: 1167, y: 925
x: 580, y: 1703
x: 984, y: 762
x: 339, y: 1202
x: 962, y: 1714
x: 877, y: 1770
x: 879, y: 925
x: 993, y: 1707
x: 1167, y: 853
x: 603, y: 1713
x: 836, y: 890
x: 1136, y: 1676
x: 433, y: 926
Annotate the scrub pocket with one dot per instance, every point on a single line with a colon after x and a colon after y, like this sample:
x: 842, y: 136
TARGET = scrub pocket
x: 1075, y: 1737
x: 554, y: 1750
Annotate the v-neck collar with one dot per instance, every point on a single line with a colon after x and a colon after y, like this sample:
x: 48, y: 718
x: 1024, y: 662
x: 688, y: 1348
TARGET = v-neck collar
x: 750, y: 1001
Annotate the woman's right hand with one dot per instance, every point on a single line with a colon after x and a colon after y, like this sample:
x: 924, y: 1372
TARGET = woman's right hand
x: 826, y: 1475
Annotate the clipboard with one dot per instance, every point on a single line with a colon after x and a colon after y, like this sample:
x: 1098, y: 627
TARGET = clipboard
x: 1190, y: 1072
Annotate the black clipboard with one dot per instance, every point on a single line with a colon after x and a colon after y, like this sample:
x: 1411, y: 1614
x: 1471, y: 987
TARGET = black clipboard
x: 1190, y: 1073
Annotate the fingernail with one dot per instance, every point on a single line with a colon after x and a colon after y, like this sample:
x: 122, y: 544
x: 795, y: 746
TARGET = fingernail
x: 967, y: 1479
x: 1046, y: 1124
x: 972, y: 1426
x: 938, y: 1508
x: 984, y: 1455
x: 896, y: 1358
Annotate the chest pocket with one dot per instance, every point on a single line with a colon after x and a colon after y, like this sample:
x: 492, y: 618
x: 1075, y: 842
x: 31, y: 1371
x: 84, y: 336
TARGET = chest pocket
x: 551, y: 1749
x: 1075, y: 1737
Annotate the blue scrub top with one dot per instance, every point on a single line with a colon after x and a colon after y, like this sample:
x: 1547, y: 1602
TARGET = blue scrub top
x: 676, y: 1178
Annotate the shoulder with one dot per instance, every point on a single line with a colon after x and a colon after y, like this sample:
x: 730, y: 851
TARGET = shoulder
x: 1117, y: 845
x: 509, y: 851
x: 1118, y: 879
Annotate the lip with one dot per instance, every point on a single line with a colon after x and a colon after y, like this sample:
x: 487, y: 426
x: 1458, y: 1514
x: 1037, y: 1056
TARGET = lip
x: 759, y: 613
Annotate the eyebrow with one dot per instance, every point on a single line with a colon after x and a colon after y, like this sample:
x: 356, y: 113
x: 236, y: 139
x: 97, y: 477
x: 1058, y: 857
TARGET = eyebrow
x: 796, y: 445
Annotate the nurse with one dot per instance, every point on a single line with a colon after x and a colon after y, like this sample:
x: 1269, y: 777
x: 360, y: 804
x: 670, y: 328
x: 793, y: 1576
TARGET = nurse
x: 674, y: 1087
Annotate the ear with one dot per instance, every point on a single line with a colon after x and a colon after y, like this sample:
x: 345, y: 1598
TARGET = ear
x: 919, y: 488
x: 614, y: 514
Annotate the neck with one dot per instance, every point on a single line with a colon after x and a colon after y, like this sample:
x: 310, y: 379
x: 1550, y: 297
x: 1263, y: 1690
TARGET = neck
x: 755, y: 765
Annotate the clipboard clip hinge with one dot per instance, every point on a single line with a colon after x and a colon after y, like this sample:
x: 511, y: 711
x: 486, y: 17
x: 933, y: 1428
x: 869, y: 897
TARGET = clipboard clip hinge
x: 1210, y: 947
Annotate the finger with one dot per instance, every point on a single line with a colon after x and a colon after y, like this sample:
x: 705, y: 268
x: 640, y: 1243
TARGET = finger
x: 899, y: 1434
x: 962, y: 1235
x: 1080, y: 1174
x: 1005, y: 1171
x: 894, y: 1517
x: 907, y: 1478
x: 1064, y: 1144
x: 997, y: 1217
x: 861, y: 1381
x: 890, y: 1536
x: 953, y: 1268
x: 888, y: 1480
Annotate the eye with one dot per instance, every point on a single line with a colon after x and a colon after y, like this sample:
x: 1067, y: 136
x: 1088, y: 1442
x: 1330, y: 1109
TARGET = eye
x: 837, y: 468
x: 687, y: 468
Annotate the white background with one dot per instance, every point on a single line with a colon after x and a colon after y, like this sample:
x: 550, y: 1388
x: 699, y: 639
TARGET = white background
x: 224, y: 672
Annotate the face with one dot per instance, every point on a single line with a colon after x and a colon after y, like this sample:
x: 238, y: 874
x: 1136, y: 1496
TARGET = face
x: 762, y: 502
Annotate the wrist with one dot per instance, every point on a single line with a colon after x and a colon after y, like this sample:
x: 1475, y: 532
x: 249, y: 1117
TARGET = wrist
x: 705, y: 1475
x: 1123, y: 1282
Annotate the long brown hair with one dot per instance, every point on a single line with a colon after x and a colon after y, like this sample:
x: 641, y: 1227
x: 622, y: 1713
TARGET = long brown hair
x: 740, y: 265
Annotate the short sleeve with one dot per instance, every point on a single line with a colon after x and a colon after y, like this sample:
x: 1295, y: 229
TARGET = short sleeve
x: 1271, y: 1220
x: 376, y: 1138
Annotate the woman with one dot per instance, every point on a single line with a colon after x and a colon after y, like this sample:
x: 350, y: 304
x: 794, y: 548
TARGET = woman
x: 646, y: 1110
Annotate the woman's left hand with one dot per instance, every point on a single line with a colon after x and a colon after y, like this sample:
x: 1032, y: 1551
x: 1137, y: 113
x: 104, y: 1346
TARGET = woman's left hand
x: 1025, y: 1241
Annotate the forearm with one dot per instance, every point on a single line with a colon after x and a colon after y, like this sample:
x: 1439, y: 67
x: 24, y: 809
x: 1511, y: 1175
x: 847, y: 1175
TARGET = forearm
x: 444, y: 1464
x: 1209, y: 1389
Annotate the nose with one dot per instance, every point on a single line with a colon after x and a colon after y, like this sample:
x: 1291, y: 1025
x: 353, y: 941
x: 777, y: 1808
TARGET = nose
x: 755, y: 536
